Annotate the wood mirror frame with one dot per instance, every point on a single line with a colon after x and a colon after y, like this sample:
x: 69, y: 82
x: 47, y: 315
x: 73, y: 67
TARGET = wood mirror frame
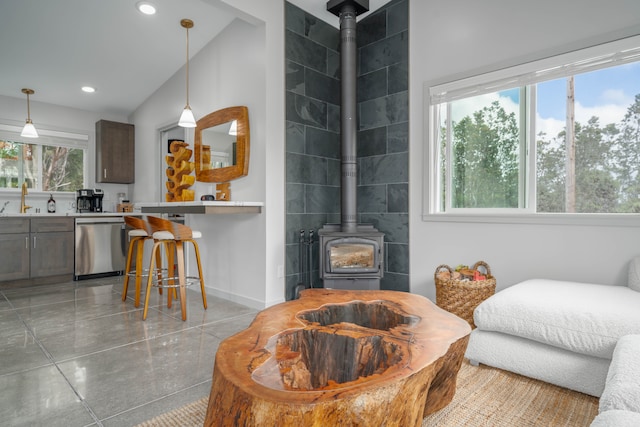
x: 241, y: 166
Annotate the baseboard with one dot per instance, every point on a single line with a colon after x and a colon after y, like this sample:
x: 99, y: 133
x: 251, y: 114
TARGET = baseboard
x: 249, y: 302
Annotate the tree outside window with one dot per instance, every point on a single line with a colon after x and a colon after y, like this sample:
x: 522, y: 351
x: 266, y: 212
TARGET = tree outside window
x: 583, y: 132
x: 42, y: 167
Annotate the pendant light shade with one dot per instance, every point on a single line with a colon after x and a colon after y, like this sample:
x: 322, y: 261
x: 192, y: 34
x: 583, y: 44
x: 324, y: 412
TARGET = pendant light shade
x: 187, y: 120
x: 29, y: 130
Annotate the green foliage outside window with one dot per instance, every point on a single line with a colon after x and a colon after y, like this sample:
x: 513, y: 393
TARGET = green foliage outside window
x: 62, y: 168
x: 486, y: 165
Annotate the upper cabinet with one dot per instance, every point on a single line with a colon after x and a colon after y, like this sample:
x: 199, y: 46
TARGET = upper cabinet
x: 115, y: 152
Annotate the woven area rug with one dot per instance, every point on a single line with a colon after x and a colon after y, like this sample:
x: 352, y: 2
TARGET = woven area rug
x: 484, y: 397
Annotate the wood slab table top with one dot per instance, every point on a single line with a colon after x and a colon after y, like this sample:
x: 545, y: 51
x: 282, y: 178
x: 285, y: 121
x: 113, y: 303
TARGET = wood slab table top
x: 339, y: 357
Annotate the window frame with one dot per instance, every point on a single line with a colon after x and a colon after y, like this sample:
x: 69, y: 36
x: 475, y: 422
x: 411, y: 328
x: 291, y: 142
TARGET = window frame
x: 47, y: 137
x: 523, y: 76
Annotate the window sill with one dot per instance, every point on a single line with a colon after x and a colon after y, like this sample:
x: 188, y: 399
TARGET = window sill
x: 600, y: 220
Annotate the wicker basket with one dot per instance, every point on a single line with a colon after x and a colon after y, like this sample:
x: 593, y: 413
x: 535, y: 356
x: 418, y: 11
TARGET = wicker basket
x: 462, y: 297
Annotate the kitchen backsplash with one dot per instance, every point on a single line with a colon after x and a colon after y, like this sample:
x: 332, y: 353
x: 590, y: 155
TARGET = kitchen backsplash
x: 65, y: 202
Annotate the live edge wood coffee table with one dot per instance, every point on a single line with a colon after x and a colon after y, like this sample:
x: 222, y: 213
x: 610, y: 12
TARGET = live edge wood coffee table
x: 339, y: 358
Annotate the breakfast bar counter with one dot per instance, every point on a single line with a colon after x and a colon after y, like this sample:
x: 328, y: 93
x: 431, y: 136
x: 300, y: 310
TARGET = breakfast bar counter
x: 201, y: 207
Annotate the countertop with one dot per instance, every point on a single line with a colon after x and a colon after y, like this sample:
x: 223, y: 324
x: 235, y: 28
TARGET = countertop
x: 201, y: 207
x: 200, y: 203
x: 66, y: 214
x: 195, y: 207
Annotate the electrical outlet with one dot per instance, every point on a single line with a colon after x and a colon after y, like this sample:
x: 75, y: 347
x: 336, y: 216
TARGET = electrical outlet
x: 280, y: 271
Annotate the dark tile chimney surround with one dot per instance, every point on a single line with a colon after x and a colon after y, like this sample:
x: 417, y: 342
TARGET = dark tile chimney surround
x: 347, y: 145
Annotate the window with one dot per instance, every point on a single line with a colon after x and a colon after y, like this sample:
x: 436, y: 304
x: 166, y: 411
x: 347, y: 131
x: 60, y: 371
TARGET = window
x: 53, y: 162
x: 561, y: 135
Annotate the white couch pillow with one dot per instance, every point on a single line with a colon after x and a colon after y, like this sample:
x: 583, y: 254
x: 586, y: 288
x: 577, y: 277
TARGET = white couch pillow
x: 634, y: 274
x: 579, y: 317
x: 623, y: 379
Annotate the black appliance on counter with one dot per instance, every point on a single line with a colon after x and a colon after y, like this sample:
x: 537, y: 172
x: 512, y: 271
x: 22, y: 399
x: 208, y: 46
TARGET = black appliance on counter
x: 84, y: 199
x: 96, y: 203
x: 89, y: 200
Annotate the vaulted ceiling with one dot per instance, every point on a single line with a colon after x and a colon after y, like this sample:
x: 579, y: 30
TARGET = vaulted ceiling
x: 55, y: 47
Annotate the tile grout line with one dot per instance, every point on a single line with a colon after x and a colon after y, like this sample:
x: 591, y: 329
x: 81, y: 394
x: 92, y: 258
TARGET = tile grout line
x: 48, y: 355
x: 158, y: 309
x: 156, y: 400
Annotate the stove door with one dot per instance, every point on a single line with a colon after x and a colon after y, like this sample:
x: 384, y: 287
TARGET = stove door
x: 352, y: 255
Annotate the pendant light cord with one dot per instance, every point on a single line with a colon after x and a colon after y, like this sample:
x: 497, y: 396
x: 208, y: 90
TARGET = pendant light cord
x: 28, y: 108
x: 188, y: 67
x: 186, y: 118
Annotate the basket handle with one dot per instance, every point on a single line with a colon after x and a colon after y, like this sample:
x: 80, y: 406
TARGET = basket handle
x: 482, y: 264
x: 441, y: 266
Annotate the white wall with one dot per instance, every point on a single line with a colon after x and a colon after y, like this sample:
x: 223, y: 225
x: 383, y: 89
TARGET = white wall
x: 242, y: 66
x: 458, y: 38
x: 13, y: 111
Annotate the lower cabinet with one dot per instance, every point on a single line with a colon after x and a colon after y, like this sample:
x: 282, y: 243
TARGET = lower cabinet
x: 14, y: 252
x: 36, y: 247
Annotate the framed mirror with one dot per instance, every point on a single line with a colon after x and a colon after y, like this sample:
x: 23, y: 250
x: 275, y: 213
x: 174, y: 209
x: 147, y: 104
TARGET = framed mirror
x: 221, y: 145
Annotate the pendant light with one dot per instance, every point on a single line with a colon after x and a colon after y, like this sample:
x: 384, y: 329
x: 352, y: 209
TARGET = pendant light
x: 29, y: 130
x: 186, y: 118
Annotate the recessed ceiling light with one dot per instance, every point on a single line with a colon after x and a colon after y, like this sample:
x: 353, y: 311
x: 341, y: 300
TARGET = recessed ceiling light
x: 88, y: 89
x: 146, y: 8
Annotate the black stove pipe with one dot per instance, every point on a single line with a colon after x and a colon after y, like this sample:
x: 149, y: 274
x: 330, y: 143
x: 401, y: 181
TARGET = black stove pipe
x: 347, y: 10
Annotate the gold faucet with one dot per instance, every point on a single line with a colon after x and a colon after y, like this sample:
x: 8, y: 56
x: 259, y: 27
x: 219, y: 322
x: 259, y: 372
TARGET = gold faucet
x: 23, y: 206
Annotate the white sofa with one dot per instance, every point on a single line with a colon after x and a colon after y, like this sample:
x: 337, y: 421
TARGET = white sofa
x: 560, y: 332
x: 619, y: 404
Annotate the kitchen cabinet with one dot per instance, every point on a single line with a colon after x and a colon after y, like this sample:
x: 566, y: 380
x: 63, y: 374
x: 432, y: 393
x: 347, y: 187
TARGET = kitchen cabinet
x: 36, y: 247
x: 52, y: 246
x: 115, y: 152
x: 14, y: 248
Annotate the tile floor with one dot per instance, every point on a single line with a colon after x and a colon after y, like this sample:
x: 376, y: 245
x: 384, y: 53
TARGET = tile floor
x: 73, y: 354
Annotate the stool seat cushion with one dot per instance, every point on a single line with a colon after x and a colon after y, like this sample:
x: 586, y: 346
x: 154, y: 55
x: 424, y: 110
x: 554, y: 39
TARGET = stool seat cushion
x: 138, y: 233
x: 163, y: 235
x: 167, y: 235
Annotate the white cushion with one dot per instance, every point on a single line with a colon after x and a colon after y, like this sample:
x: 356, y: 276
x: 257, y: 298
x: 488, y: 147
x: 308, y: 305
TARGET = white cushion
x: 575, y: 371
x: 634, y: 274
x: 167, y: 235
x: 617, y: 418
x: 138, y: 233
x: 163, y: 235
x: 580, y: 317
x: 622, y: 390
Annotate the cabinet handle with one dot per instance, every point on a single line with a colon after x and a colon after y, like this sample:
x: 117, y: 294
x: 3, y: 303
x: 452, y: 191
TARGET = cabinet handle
x: 26, y: 243
x: 105, y: 173
x: 34, y: 242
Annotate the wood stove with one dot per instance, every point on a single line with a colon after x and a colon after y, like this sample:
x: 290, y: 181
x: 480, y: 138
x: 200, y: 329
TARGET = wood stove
x: 351, y: 254
x: 351, y: 260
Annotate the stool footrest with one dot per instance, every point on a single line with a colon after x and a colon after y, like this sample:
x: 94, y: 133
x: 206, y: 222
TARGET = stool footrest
x: 145, y: 272
x: 164, y: 282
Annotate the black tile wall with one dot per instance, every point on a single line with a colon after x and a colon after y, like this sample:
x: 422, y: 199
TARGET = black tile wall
x: 323, y: 143
x: 385, y: 52
x: 313, y: 134
x: 305, y: 51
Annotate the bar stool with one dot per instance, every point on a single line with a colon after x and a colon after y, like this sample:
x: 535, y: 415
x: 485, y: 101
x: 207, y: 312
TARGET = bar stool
x: 138, y: 235
x: 167, y: 232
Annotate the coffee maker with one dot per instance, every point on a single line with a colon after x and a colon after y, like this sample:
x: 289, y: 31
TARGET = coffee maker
x: 96, y: 200
x: 84, y: 200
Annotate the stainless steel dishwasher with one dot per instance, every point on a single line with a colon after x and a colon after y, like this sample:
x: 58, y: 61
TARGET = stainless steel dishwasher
x: 101, y: 246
